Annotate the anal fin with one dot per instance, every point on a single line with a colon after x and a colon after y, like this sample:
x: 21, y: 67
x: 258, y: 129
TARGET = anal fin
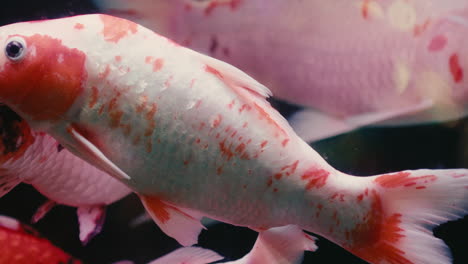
x: 176, y: 223
x: 91, y: 219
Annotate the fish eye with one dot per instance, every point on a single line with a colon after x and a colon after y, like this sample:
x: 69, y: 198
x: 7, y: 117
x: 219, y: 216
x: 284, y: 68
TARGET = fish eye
x: 15, y: 48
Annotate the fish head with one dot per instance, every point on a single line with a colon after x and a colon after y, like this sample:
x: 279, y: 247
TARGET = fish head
x: 40, y: 76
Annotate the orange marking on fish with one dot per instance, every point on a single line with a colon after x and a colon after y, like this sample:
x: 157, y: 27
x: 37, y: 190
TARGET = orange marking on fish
x: 115, y: 117
x: 360, y: 197
x: 167, y: 83
x: 437, y: 43
x: 365, y: 9
x: 376, y: 238
x: 118, y: 58
x: 419, y: 29
x: 148, y: 59
x: 270, y: 181
x: 264, y: 114
x: 285, y: 142
x: 105, y: 73
x: 226, y: 150
x: 29, y: 85
x: 219, y: 170
x: 403, y: 179
x: 79, y: 26
x: 245, y: 107
x: 233, y: 4
x: 245, y: 125
x: 157, y: 208
x: 264, y: 143
x: 94, y: 96
x: 316, y: 178
x: 158, y: 64
x: 290, y: 169
x: 455, y: 68
x: 217, y: 121
x: 116, y: 28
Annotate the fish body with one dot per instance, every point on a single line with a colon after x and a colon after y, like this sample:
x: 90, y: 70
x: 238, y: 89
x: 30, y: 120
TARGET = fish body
x: 357, y: 62
x: 22, y: 244
x: 194, y: 136
x: 36, y: 158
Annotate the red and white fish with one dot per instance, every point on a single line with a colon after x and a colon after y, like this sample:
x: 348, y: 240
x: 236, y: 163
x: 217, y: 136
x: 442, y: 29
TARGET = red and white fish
x: 194, y: 136
x: 355, y: 62
x: 20, y: 243
x: 38, y: 159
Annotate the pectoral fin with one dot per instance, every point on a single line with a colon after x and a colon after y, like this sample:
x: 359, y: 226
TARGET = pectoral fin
x: 176, y: 223
x: 89, y: 152
x: 7, y: 182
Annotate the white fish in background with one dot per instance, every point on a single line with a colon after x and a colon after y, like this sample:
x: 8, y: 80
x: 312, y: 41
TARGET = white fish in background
x: 38, y: 159
x: 355, y: 62
x: 194, y: 137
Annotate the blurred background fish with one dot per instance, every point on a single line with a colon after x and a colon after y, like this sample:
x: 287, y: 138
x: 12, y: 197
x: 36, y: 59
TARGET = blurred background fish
x: 351, y: 63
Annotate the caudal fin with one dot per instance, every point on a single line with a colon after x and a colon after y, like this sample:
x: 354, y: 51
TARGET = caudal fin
x: 404, y: 207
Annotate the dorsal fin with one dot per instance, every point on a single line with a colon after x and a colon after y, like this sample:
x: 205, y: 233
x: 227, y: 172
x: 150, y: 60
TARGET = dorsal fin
x: 251, y: 91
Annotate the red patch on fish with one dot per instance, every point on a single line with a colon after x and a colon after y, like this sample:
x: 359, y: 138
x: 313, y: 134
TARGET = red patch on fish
x: 376, y: 238
x: 316, y: 178
x: 419, y: 29
x: 455, y: 68
x: 233, y: 4
x: 217, y: 121
x: 437, y: 43
x: 157, y: 208
x: 94, y: 96
x: 365, y: 9
x: 79, y: 26
x: 24, y: 245
x: 404, y: 179
x: 116, y: 28
x: 43, y: 79
x: 158, y: 64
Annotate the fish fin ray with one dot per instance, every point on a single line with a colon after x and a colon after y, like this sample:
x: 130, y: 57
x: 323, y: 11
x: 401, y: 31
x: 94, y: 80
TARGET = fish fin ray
x: 43, y: 210
x: 234, y: 76
x: 279, y: 245
x: 89, y: 152
x: 177, y: 223
x: 7, y: 182
x: 409, y: 205
x: 91, y: 220
x: 189, y: 255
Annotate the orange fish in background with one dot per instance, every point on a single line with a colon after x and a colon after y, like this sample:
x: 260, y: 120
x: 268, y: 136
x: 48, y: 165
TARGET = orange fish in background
x: 350, y: 63
x: 194, y: 136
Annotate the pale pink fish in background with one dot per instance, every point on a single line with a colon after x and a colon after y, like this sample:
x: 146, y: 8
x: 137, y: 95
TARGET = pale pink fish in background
x: 194, y: 137
x: 355, y: 62
x: 36, y: 158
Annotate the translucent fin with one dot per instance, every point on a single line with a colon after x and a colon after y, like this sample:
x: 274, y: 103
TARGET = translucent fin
x: 89, y: 152
x: 7, y: 182
x: 279, y: 245
x: 312, y: 125
x: 405, y: 207
x: 176, y: 223
x: 43, y: 210
x: 188, y: 255
x: 91, y: 219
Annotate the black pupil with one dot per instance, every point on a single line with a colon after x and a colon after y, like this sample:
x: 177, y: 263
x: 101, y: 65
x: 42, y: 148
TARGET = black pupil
x: 14, y: 49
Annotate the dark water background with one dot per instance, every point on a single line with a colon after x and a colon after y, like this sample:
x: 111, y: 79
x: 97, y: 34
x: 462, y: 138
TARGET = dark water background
x: 365, y: 152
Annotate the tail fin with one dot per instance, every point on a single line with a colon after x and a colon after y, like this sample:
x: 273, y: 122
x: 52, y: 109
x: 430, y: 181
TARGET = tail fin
x: 404, y: 207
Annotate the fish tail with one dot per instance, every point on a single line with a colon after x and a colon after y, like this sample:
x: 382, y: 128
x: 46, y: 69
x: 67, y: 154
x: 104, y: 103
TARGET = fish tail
x: 402, y: 210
